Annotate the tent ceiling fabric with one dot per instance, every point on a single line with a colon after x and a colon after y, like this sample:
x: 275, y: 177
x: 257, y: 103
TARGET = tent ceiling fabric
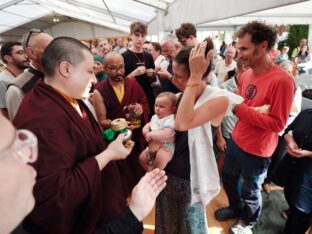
x: 208, y: 11
x: 114, y: 14
x: 160, y: 15
x: 300, y: 13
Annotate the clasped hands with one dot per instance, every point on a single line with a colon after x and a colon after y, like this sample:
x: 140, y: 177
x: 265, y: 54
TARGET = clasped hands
x: 296, y: 152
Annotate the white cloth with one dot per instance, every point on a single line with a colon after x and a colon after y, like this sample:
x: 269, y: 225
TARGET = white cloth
x: 161, y: 62
x: 5, y: 78
x: 205, y: 181
x: 159, y: 124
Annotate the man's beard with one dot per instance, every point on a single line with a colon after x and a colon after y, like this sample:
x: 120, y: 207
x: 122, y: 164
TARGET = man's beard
x: 256, y: 51
x: 21, y: 65
x: 118, y: 78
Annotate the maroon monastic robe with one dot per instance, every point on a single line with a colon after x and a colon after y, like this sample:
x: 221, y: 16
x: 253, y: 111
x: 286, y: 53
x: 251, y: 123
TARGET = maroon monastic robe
x: 72, y: 194
x: 130, y: 168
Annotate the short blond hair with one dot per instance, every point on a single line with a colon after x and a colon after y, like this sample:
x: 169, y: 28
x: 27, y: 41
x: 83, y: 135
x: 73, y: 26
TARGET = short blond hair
x: 171, y: 96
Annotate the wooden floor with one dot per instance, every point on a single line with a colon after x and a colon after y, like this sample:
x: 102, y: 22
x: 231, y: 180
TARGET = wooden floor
x: 214, y: 226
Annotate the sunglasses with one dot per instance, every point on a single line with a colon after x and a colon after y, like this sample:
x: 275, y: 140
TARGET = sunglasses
x: 34, y: 30
x: 25, y: 145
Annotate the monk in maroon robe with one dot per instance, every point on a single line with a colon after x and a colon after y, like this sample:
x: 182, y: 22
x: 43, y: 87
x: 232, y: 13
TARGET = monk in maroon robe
x: 73, y: 194
x: 133, y: 93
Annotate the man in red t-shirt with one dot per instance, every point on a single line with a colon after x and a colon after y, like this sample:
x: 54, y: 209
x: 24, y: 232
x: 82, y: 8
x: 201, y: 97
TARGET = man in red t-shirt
x: 256, y: 132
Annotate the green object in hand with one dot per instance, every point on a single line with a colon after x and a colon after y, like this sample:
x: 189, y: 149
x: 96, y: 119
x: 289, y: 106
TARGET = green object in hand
x: 110, y: 135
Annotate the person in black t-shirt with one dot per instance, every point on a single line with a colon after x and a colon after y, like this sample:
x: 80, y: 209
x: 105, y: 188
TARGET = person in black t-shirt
x: 140, y: 64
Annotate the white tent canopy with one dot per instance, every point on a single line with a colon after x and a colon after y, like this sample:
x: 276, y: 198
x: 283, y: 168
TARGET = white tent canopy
x: 300, y: 13
x: 209, y: 13
x: 115, y: 16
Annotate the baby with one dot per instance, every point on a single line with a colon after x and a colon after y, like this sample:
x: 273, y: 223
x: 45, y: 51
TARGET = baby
x: 159, y: 133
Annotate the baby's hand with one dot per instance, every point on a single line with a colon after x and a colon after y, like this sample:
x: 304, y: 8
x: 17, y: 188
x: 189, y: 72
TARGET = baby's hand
x: 148, y: 136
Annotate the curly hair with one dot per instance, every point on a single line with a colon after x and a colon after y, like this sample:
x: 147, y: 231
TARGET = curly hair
x: 259, y: 32
x: 185, y: 31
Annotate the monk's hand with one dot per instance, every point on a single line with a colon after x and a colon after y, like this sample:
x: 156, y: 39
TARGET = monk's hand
x: 105, y: 123
x: 138, y: 109
x: 117, y: 149
x: 198, y: 61
x: 145, y: 193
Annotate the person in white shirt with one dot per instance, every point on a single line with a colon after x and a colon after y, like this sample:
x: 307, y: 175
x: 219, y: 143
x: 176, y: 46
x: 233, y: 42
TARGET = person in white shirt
x: 225, y: 65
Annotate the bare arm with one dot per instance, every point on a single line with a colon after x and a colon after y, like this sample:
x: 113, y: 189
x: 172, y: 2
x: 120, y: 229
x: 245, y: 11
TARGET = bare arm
x: 100, y: 110
x: 146, y: 129
x: 221, y: 143
x: 187, y: 117
x: 160, y: 135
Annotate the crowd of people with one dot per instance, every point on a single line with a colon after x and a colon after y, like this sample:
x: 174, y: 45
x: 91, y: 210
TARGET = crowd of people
x: 186, y: 103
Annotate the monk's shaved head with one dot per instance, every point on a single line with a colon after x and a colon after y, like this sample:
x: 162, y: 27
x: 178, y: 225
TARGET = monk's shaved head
x: 114, y: 67
x: 111, y: 57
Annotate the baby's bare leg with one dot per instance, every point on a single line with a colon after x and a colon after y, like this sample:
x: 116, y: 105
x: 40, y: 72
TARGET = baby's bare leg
x: 143, y: 159
x: 163, y: 157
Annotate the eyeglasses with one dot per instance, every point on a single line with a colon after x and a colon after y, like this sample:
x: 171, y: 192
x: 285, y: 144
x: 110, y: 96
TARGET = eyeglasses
x: 25, y: 145
x: 34, y: 30
x: 115, y: 69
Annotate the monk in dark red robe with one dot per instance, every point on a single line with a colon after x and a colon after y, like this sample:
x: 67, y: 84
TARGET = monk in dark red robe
x: 71, y: 193
x: 133, y: 93
x: 79, y: 187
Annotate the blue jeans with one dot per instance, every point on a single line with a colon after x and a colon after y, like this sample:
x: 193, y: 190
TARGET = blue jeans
x: 253, y: 170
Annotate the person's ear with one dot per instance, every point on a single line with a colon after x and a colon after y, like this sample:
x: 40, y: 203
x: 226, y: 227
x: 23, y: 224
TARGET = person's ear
x: 264, y: 45
x: 8, y: 58
x: 174, y: 109
x: 65, y: 68
x: 105, y: 69
x: 31, y: 53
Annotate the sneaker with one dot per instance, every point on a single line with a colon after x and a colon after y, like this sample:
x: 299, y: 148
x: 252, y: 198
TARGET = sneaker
x: 227, y: 213
x: 241, y: 229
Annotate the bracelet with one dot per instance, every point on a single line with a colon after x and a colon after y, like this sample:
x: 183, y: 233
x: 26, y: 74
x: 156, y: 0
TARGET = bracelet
x: 192, y: 85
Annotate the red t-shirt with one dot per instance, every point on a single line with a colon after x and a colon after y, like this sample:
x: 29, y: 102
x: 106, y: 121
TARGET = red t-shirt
x: 254, y: 132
